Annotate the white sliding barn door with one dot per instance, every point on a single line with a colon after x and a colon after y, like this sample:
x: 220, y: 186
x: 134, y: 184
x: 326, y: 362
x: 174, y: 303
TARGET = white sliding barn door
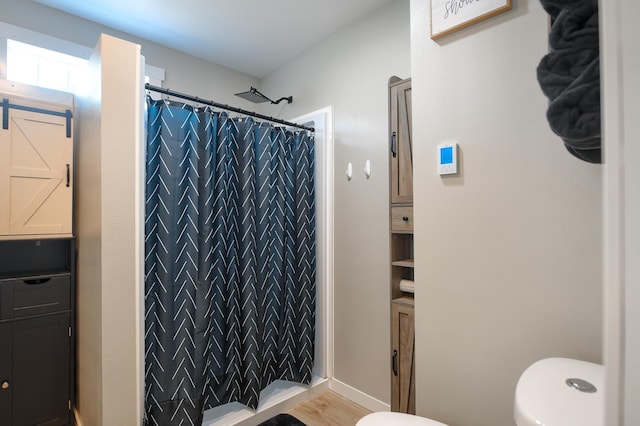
x: 36, y: 159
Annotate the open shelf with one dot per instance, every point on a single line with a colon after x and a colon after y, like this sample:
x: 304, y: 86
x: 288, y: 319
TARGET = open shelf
x: 404, y: 300
x: 405, y: 263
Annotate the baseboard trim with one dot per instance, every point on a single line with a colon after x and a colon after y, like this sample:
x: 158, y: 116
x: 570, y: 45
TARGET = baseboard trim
x: 76, y: 415
x: 357, y: 396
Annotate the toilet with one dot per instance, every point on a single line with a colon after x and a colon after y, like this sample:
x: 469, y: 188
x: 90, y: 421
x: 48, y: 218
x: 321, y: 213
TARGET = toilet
x: 552, y: 391
x: 560, y: 391
x: 386, y: 418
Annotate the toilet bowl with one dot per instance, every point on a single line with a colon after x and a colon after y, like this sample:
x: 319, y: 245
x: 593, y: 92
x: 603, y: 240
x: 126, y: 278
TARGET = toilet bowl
x: 560, y: 391
x: 386, y: 418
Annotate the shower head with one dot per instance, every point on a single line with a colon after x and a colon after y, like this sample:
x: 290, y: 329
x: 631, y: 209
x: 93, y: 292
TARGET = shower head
x: 256, y: 97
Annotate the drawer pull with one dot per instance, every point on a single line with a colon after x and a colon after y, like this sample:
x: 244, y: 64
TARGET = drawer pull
x: 5, y: 385
x: 405, y: 218
x: 37, y: 281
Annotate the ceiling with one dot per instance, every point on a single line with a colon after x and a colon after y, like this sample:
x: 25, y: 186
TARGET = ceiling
x: 255, y: 37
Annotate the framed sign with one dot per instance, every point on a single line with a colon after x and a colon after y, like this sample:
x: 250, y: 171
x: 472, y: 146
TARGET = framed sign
x: 448, y: 16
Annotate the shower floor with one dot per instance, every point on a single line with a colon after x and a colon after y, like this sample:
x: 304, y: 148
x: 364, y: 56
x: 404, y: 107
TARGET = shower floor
x: 276, y: 398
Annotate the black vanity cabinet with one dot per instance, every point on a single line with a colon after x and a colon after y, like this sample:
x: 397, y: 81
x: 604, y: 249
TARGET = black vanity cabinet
x: 37, y: 349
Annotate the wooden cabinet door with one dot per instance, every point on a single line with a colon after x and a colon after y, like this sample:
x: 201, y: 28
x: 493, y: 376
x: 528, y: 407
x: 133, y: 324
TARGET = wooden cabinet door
x: 6, y: 375
x: 400, y: 142
x: 36, y: 159
x: 39, y: 387
x: 403, y: 398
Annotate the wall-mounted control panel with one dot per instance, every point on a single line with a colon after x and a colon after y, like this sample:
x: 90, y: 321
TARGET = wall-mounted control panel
x: 448, y: 158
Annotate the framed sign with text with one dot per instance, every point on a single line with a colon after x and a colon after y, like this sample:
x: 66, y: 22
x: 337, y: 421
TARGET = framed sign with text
x: 448, y: 16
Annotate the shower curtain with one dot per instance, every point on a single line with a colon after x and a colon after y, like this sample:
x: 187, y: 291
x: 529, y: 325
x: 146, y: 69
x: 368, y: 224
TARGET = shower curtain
x: 230, y: 260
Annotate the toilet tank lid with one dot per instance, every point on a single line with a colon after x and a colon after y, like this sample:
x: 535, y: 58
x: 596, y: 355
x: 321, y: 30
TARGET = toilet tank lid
x: 543, y: 396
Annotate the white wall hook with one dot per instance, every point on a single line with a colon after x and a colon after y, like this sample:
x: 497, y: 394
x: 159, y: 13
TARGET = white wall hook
x: 349, y: 171
x: 367, y: 169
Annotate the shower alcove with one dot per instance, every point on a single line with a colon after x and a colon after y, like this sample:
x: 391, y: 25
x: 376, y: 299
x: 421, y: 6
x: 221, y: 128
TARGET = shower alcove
x: 110, y: 228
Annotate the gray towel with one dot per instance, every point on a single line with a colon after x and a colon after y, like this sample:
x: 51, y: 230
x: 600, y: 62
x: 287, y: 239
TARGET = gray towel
x: 576, y: 25
x: 554, y: 7
x: 569, y: 75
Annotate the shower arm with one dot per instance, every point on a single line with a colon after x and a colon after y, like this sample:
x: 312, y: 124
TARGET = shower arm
x: 289, y: 99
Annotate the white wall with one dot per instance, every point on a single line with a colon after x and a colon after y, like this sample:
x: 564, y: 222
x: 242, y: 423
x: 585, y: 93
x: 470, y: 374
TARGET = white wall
x: 508, y: 254
x: 108, y: 227
x: 350, y: 71
x: 88, y: 230
x: 621, y: 88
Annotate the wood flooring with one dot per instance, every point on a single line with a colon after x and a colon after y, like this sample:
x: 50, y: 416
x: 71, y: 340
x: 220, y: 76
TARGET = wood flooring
x: 328, y: 409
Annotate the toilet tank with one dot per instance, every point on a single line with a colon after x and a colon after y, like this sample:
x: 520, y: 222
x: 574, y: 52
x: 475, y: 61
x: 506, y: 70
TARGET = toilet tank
x: 560, y: 392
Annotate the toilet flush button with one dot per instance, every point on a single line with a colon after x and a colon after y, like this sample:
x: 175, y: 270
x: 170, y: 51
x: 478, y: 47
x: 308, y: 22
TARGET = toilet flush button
x: 581, y: 385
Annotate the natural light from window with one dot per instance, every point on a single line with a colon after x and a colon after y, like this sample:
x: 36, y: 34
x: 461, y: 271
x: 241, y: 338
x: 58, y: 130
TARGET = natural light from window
x: 43, y: 67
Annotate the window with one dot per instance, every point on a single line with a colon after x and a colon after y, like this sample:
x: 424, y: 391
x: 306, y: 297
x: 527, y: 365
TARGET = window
x: 38, y: 59
x: 43, y: 67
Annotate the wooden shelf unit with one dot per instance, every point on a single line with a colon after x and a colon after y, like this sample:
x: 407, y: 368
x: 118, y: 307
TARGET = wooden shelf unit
x: 401, y: 246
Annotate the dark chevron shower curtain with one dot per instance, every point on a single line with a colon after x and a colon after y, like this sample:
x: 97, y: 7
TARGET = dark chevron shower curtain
x: 229, y: 260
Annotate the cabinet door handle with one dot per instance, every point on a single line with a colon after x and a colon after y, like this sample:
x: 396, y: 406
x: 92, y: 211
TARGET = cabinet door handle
x: 405, y: 218
x: 68, y: 175
x: 37, y: 281
x: 394, y: 362
x: 5, y: 385
x: 393, y: 144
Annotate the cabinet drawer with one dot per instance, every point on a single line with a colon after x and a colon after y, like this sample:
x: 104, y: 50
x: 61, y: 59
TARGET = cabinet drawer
x: 402, y: 219
x: 28, y: 296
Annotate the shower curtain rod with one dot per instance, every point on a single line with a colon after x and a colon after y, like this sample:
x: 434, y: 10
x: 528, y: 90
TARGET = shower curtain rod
x: 227, y: 107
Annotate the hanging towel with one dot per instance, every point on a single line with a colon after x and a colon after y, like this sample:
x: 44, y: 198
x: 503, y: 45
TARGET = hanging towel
x: 560, y: 68
x: 554, y: 7
x: 569, y: 75
x: 576, y: 26
x: 575, y: 113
